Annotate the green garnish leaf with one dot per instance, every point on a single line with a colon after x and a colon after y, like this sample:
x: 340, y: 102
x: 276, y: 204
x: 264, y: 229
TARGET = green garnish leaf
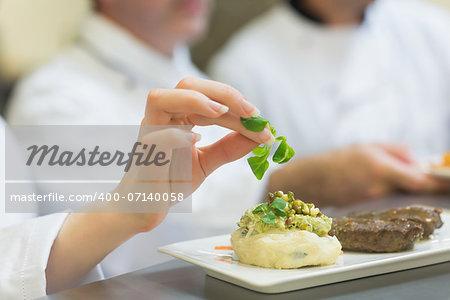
x: 254, y: 123
x: 290, y: 154
x: 259, y: 165
x: 272, y: 130
x: 283, y: 153
x: 270, y: 211
x: 260, y: 151
x: 278, y: 203
x: 269, y: 218
x: 279, y: 212
x: 261, y: 208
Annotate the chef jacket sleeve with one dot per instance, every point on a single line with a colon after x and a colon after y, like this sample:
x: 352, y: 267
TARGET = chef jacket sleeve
x: 24, y: 253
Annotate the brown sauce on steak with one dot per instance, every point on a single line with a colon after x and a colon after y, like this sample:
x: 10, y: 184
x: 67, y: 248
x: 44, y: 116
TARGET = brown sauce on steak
x: 428, y: 217
x: 370, y: 235
x: 389, y: 230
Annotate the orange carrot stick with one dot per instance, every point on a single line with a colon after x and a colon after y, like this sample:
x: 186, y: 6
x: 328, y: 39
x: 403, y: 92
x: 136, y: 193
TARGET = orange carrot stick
x: 223, y: 248
x: 222, y: 260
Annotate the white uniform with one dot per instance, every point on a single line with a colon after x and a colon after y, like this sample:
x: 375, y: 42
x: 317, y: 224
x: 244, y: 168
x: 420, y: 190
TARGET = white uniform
x: 386, y: 80
x: 104, y: 79
x: 25, y: 243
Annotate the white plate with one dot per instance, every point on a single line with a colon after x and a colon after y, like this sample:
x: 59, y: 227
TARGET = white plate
x: 222, y: 264
x: 442, y: 172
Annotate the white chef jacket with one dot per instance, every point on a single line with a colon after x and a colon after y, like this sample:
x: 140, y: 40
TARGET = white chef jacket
x: 104, y: 79
x: 386, y: 80
x: 25, y: 243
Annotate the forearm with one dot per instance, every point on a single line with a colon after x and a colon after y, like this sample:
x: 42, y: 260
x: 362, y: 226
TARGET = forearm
x: 83, y: 241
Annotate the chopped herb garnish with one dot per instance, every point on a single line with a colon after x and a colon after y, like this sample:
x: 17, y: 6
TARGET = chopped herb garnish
x: 269, y: 218
x: 270, y: 211
x: 261, y: 208
x: 278, y: 203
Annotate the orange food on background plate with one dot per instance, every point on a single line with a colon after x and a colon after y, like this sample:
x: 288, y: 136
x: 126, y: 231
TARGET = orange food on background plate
x: 444, y: 163
x: 446, y: 160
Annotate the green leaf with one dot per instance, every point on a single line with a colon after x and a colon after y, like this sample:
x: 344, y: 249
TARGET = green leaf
x: 278, y: 203
x: 260, y: 208
x: 277, y: 206
x: 291, y: 154
x: 254, y: 123
x: 269, y: 218
x: 259, y: 165
x: 280, y: 212
x: 283, y: 153
x: 273, y: 130
x: 260, y: 151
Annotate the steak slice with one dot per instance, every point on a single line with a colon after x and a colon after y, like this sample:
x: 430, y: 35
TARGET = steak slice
x: 370, y: 235
x: 428, y: 217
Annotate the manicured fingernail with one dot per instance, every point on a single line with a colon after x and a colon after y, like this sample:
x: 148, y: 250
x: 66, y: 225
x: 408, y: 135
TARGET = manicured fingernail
x: 217, y: 107
x: 250, y: 108
x: 267, y: 137
x: 197, y: 137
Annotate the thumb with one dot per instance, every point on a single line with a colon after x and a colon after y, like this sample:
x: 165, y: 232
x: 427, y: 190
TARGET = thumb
x: 156, y: 155
x: 230, y: 148
x: 168, y: 138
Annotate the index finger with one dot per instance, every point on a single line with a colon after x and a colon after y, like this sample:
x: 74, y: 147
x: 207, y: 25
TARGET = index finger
x: 221, y: 93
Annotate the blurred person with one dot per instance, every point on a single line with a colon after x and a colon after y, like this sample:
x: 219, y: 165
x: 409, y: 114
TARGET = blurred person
x: 359, y: 87
x: 126, y: 48
x: 47, y: 254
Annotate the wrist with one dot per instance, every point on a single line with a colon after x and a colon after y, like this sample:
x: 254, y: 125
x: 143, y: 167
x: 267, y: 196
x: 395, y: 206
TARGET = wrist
x: 128, y: 217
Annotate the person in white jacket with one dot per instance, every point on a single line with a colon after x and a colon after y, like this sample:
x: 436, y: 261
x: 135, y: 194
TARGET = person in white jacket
x: 125, y: 49
x: 359, y: 87
x: 47, y: 254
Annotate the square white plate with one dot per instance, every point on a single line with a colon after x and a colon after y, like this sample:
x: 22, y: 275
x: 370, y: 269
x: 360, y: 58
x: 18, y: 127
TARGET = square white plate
x: 222, y: 264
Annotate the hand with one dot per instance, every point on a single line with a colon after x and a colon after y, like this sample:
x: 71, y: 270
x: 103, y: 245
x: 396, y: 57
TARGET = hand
x: 195, y: 102
x: 355, y: 173
x: 87, y: 237
x: 205, y: 102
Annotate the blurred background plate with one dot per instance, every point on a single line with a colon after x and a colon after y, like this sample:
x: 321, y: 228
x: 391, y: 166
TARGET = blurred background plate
x: 431, y: 166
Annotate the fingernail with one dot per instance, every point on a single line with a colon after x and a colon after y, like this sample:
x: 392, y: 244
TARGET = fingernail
x: 267, y: 137
x: 217, y: 107
x: 250, y: 108
x: 197, y: 137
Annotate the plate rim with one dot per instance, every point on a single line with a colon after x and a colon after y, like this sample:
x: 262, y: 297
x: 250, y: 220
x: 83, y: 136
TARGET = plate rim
x: 414, y: 260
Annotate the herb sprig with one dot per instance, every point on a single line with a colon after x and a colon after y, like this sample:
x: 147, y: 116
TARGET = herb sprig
x: 270, y: 211
x: 259, y: 163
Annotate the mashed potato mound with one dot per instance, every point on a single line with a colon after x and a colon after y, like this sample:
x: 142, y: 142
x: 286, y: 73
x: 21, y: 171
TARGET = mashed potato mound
x: 285, y: 249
